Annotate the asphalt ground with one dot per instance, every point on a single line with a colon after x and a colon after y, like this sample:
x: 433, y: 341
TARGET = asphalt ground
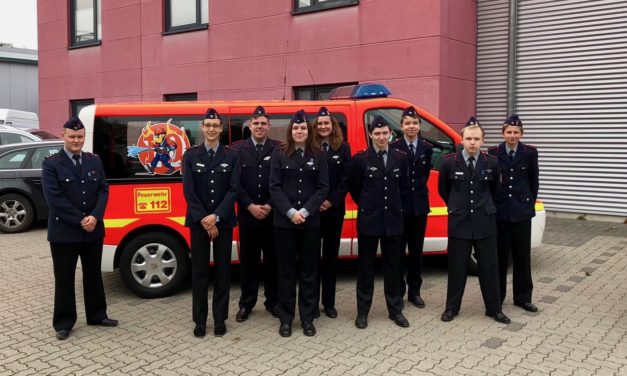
x: 580, y: 276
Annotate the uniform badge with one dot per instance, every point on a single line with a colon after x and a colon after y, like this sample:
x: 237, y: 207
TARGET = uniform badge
x: 200, y: 165
x: 459, y: 172
x: 335, y: 157
x: 373, y: 168
x: 223, y: 165
x: 396, y: 170
x: 267, y: 158
x: 310, y: 163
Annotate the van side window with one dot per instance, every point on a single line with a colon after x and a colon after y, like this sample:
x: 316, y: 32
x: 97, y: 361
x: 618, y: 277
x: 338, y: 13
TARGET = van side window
x: 442, y: 144
x: 278, y: 131
x: 126, y: 145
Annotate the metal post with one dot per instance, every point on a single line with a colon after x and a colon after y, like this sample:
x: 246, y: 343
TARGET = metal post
x: 511, y: 58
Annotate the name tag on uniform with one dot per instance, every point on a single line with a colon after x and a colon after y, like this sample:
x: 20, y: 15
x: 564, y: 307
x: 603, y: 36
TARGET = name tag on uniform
x: 267, y: 158
x: 459, y: 172
x: 396, y: 170
x: 200, y: 165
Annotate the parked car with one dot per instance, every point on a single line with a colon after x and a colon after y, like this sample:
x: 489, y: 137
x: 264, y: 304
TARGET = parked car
x: 10, y: 135
x: 21, y: 197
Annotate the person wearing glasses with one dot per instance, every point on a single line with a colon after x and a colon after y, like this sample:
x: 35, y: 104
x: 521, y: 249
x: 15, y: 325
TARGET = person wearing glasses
x: 210, y: 181
x: 328, y: 135
x: 299, y: 184
x: 256, y: 234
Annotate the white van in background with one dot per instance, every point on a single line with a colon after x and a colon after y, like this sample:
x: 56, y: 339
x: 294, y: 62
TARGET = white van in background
x: 19, y: 119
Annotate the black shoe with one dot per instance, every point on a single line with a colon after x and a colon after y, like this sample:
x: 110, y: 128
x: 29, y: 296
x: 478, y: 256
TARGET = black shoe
x: 309, y: 329
x: 200, y: 330
x: 448, y: 315
x: 242, y: 315
x: 361, y: 321
x: 527, y: 307
x: 105, y: 322
x: 316, y: 314
x: 273, y: 311
x: 285, y: 330
x: 63, y: 334
x: 219, y: 329
x: 500, y: 317
x: 417, y: 301
x: 400, y: 320
x: 330, y: 312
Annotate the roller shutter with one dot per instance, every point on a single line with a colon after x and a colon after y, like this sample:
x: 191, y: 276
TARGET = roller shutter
x: 572, y: 96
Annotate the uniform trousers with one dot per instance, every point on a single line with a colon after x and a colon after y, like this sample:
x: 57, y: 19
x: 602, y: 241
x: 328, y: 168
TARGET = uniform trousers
x: 515, y: 237
x: 298, y: 258
x: 252, y: 241
x: 458, y: 258
x: 330, y: 234
x: 391, y: 250
x: 201, y: 247
x: 414, y: 239
x: 64, y: 258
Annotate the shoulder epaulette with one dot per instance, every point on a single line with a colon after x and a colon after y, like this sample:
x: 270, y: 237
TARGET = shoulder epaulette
x: 426, y: 143
x: 237, y: 142
x: 495, y: 147
x: 401, y: 152
x: 531, y: 146
x: 449, y: 155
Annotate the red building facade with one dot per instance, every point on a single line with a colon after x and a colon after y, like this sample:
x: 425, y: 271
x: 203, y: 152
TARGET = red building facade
x: 423, y: 50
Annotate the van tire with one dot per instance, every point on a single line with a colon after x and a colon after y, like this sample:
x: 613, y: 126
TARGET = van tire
x: 16, y: 213
x: 154, y: 265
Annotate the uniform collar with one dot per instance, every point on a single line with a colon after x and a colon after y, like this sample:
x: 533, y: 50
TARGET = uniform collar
x: 70, y: 154
x: 215, y: 149
x: 466, y: 155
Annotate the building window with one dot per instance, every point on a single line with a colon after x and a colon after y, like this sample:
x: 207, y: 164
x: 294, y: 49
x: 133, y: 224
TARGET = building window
x: 85, y: 23
x: 318, y: 92
x: 76, y: 105
x: 180, y: 97
x: 306, y: 6
x: 186, y: 15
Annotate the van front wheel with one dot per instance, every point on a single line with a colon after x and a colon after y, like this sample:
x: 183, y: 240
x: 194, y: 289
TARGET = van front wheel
x: 154, y: 265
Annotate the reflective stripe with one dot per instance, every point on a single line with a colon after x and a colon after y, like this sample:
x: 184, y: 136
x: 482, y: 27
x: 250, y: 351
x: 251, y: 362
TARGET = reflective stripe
x: 539, y: 206
x: 117, y: 223
x: 179, y: 220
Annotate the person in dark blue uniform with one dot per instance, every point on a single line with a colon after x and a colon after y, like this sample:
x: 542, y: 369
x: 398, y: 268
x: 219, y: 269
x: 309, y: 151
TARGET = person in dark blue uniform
x: 329, y: 135
x: 299, y: 184
x: 256, y: 233
x: 379, y: 185
x: 515, y: 208
x: 210, y: 183
x: 415, y: 214
x: 468, y: 184
x: 76, y: 190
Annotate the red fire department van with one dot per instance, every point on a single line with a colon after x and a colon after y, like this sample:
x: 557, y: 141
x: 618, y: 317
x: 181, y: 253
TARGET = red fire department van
x: 142, y: 144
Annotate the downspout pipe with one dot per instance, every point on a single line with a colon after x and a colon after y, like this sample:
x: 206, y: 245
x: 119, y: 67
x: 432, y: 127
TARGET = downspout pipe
x: 511, y: 58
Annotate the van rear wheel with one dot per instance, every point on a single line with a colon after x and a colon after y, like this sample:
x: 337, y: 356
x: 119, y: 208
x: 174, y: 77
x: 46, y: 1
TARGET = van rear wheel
x: 154, y: 265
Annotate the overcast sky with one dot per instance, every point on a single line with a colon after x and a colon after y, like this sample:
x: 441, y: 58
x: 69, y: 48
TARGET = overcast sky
x: 18, y: 23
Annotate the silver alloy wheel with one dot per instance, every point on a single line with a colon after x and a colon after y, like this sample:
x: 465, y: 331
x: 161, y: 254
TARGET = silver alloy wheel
x: 12, y: 214
x: 154, y: 265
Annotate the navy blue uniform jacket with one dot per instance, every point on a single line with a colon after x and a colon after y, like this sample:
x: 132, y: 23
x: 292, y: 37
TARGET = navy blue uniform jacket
x: 210, y: 185
x: 254, y: 182
x: 338, y: 162
x: 520, y: 183
x: 380, y: 192
x: 419, y: 171
x: 470, y: 199
x: 298, y: 183
x: 72, y: 197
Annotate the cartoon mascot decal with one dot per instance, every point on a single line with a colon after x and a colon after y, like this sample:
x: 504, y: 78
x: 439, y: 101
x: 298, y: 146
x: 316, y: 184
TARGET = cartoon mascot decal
x: 160, y: 148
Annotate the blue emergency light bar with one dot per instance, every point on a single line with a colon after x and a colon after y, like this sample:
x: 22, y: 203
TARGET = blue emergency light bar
x: 360, y: 91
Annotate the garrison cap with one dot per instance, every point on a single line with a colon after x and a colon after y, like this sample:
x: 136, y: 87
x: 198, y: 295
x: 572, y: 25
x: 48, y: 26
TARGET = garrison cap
x: 323, y: 111
x: 378, y: 122
x: 472, y: 121
x: 260, y: 111
x: 410, y: 111
x: 74, y: 124
x: 299, y: 117
x: 514, y: 120
x: 211, y: 114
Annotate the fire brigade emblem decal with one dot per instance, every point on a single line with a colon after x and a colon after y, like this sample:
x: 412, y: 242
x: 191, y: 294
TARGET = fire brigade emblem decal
x: 160, y: 148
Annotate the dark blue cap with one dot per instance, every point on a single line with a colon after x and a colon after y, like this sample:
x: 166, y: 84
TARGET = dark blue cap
x: 378, y: 122
x: 299, y: 117
x: 410, y: 111
x: 323, y: 111
x: 514, y: 120
x: 211, y: 114
x: 472, y: 121
x: 74, y: 124
x: 260, y: 111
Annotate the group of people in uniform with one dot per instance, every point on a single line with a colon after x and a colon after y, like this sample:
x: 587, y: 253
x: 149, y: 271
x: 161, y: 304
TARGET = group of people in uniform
x: 290, y: 199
